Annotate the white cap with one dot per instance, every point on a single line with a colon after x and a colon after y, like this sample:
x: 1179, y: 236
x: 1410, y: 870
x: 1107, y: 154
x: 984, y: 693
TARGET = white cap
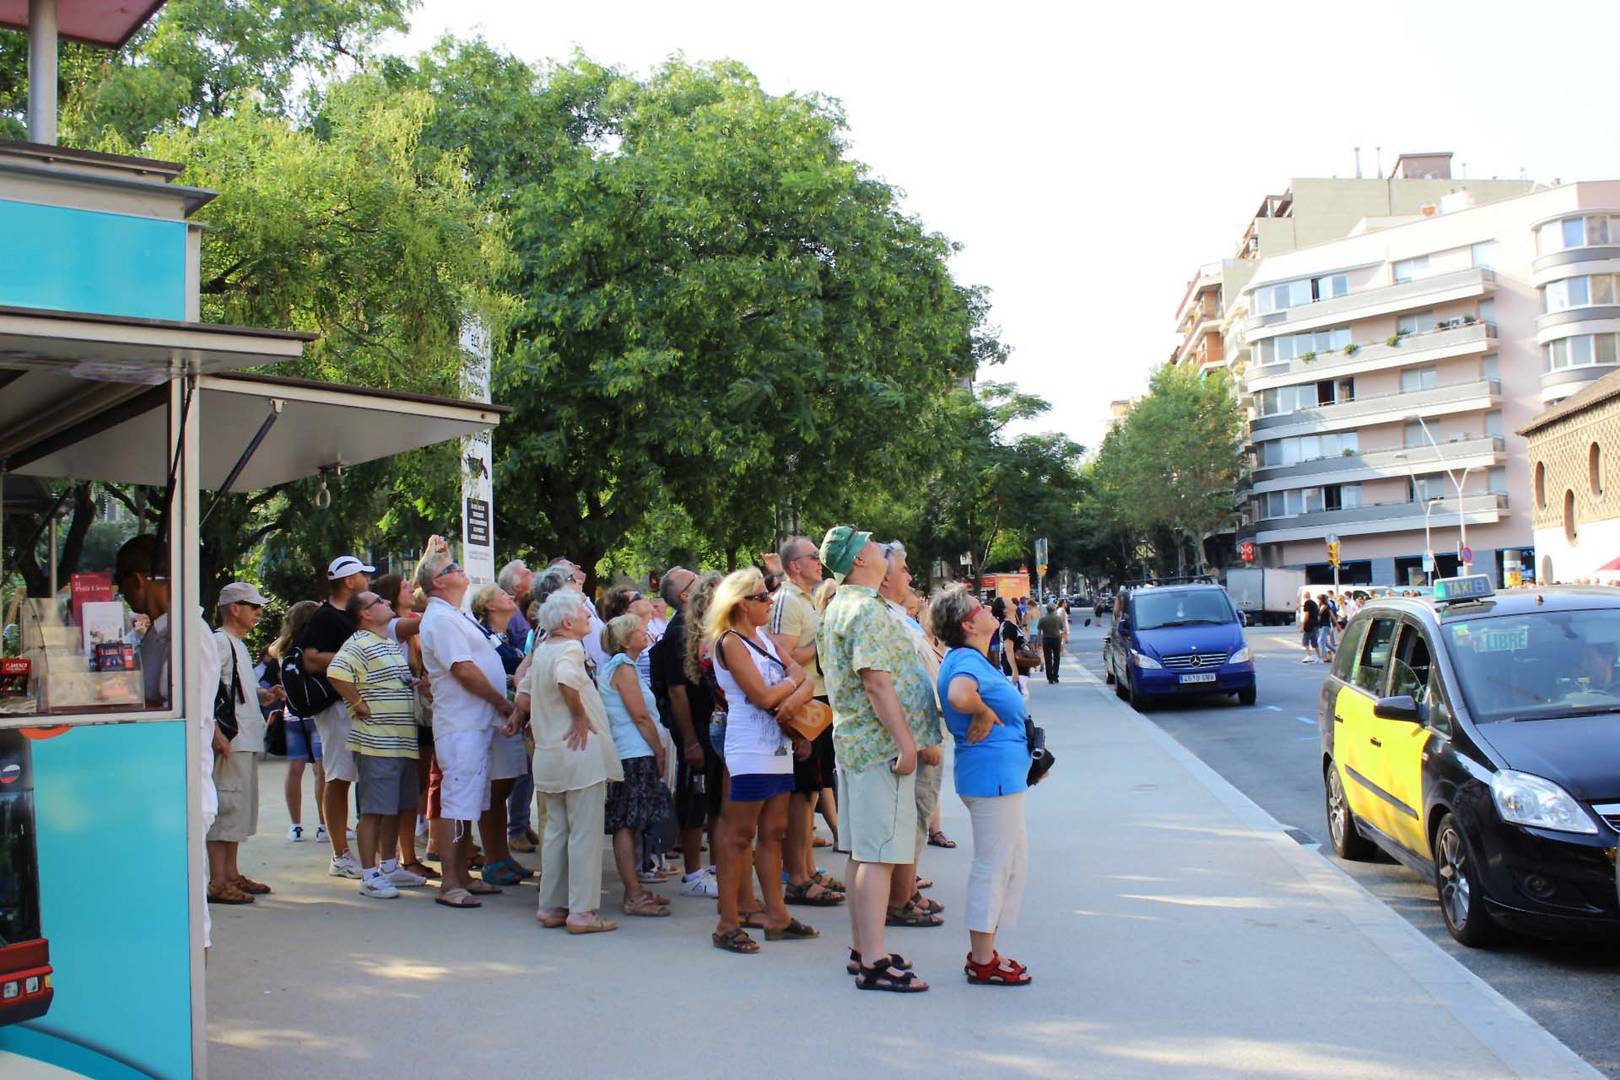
x: 345, y: 565
x: 240, y: 592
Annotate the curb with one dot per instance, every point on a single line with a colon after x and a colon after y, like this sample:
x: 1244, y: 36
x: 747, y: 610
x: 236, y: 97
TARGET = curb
x: 1523, y: 1046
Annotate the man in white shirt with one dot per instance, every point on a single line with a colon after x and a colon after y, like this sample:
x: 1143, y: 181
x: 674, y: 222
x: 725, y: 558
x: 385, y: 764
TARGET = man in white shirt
x: 236, y: 774
x: 469, y: 704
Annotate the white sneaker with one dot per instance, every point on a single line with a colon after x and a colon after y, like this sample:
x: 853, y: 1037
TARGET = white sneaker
x: 345, y: 865
x: 405, y: 879
x: 349, y: 833
x: 704, y: 885
x: 320, y: 834
x: 378, y: 888
x: 1308, y: 660
x: 295, y: 833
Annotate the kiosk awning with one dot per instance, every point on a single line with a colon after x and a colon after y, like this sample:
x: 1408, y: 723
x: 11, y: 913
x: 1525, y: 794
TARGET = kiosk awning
x: 117, y: 348
x: 109, y: 23
x: 117, y: 434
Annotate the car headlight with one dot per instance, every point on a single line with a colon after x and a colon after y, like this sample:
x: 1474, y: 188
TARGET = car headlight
x: 1524, y: 799
x: 1143, y: 660
x: 31, y: 985
x: 1242, y: 656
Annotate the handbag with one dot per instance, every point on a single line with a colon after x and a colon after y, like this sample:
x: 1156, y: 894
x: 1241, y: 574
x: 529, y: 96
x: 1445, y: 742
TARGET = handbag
x: 225, y: 702
x: 275, y: 734
x: 1040, y: 758
x: 306, y: 694
x: 810, y: 721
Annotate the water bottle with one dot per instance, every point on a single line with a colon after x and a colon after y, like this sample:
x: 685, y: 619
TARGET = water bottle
x: 700, y: 784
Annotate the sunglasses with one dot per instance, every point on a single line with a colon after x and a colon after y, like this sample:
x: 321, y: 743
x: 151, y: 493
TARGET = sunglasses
x: 452, y: 568
x: 251, y: 604
x: 374, y: 603
x: 761, y: 597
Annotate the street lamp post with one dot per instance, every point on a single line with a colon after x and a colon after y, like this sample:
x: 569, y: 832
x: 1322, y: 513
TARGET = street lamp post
x: 1429, y: 502
x: 1457, y: 483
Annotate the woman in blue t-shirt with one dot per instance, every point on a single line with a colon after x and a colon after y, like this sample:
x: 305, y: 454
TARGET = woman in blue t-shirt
x: 985, y: 713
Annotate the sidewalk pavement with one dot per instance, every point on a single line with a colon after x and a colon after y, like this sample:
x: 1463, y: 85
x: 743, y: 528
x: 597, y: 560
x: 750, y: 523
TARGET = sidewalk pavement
x: 1173, y: 929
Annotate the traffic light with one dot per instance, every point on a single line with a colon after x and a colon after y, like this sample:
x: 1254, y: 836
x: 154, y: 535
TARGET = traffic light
x: 1333, y: 552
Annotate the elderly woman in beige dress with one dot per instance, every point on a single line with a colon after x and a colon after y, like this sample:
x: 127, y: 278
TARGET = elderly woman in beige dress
x: 574, y: 758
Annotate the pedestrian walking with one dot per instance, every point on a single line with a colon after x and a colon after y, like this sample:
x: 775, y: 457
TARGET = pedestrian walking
x: 1309, y: 612
x: 303, y: 741
x: 1054, y: 628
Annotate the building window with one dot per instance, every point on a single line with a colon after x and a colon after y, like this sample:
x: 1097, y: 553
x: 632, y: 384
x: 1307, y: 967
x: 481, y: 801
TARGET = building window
x: 1411, y: 269
x: 1484, y: 255
x: 1595, y: 290
x: 1541, y: 485
x: 1489, y: 367
x: 1426, y: 377
x: 1487, y: 312
x: 1493, y: 422
x: 1329, y: 286
x: 1594, y: 469
x: 1496, y: 480
x: 1570, y: 532
x: 1420, y: 323
x: 1423, y: 489
x: 1282, y: 296
x: 1412, y: 434
x: 1583, y: 350
x: 1588, y: 231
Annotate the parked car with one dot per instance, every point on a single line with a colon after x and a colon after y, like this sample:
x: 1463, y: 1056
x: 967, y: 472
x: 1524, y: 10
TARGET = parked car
x: 1177, y: 639
x: 1475, y: 737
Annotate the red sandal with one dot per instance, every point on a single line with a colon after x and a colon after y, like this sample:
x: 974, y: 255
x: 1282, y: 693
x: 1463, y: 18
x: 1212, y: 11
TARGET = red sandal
x: 1000, y: 971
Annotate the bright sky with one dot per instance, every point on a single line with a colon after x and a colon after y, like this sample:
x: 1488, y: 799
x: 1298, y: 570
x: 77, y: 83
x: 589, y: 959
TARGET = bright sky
x: 1089, y: 158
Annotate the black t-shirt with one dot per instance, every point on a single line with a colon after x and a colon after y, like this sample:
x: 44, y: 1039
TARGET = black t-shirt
x: 328, y: 630
x: 1311, y: 611
x: 669, y: 669
x: 1011, y: 639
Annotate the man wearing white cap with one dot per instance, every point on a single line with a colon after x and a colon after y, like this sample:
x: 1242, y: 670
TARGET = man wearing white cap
x: 325, y: 635
x: 236, y: 775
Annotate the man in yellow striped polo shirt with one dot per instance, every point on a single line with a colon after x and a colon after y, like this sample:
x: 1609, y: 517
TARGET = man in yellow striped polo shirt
x: 372, y: 676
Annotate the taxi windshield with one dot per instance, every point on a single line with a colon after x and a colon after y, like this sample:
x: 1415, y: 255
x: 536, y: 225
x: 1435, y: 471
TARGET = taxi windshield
x: 1202, y: 606
x: 1537, y: 665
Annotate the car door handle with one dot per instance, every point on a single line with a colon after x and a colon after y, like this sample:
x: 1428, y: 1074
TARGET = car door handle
x: 1375, y: 741
x: 1337, y: 719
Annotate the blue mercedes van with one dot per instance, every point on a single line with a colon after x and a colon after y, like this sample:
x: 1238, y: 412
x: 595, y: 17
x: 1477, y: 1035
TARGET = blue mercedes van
x: 1175, y: 639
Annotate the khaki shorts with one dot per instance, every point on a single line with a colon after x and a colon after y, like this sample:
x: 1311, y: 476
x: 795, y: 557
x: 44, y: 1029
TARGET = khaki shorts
x: 877, y: 815
x: 332, y: 725
x: 236, y: 778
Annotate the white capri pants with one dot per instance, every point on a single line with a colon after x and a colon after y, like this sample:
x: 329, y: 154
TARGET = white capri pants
x: 995, y: 889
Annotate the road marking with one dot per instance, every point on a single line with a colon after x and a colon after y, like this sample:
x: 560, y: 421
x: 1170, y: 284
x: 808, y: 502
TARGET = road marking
x: 1275, y: 708
x: 1311, y: 720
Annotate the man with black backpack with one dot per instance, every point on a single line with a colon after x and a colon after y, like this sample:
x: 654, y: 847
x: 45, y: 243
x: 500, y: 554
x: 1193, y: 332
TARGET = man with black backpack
x: 323, y: 637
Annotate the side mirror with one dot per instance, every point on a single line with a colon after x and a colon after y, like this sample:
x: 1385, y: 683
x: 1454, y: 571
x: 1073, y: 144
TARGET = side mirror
x: 1399, y: 707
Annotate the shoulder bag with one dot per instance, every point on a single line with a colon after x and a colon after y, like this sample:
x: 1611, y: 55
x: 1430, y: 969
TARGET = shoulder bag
x: 225, y: 702
x: 812, y: 718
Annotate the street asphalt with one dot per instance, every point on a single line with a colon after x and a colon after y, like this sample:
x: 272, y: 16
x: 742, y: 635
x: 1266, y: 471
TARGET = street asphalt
x: 1270, y: 752
x: 1174, y: 929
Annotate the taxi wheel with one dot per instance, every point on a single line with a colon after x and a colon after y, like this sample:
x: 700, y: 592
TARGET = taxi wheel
x: 1347, y: 842
x: 1462, y: 900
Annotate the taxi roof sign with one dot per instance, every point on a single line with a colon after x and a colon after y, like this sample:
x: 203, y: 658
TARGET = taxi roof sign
x: 1457, y: 589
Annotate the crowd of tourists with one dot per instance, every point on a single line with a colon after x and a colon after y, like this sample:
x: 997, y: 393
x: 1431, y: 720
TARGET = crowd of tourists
x: 720, y: 714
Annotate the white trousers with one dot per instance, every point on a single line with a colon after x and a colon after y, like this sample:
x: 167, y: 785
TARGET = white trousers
x: 995, y: 890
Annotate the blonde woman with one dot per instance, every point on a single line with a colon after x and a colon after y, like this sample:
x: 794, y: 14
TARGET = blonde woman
x: 574, y: 758
x: 303, y: 741
x: 641, y: 800
x: 760, y: 687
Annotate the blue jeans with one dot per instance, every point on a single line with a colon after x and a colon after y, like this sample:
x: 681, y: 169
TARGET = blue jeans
x: 520, y: 804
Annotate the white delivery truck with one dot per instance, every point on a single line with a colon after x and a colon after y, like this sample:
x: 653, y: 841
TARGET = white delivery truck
x: 1267, y: 596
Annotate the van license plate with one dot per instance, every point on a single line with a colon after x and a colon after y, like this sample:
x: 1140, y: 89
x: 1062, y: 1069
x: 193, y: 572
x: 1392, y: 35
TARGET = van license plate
x: 1206, y: 677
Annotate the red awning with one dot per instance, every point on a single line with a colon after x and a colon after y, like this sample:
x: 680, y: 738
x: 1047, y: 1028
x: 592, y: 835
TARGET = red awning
x: 109, y: 23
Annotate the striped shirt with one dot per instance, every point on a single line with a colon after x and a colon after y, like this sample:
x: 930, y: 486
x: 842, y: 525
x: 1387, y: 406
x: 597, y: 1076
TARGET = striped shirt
x: 380, y: 675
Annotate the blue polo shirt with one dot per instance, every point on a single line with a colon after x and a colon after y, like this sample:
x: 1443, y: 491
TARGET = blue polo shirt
x: 998, y: 764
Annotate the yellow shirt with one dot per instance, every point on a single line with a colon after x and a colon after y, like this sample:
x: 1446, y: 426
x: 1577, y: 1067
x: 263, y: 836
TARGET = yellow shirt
x: 794, y: 616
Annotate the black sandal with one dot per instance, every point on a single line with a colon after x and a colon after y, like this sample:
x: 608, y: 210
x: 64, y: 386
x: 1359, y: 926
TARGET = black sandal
x: 877, y: 977
x: 895, y: 961
x: 910, y: 916
x: 793, y: 931
x: 801, y: 894
x: 736, y: 941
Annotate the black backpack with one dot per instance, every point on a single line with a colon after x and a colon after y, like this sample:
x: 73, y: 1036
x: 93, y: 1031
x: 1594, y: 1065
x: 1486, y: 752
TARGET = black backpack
x: 306, y: 694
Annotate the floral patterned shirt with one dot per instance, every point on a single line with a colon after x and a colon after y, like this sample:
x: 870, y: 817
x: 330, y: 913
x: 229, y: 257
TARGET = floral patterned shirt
x: 857, y: 633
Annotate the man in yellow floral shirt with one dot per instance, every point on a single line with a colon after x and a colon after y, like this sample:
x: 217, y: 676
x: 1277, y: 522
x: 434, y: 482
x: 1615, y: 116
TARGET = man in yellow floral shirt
x: 875, y: 683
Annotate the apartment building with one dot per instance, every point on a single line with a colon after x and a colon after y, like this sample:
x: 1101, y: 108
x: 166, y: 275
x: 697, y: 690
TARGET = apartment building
x: 1388, y: 373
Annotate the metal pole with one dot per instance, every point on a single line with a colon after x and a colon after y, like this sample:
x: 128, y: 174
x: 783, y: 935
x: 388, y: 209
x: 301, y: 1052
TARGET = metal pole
x: 1428, y: 543
x: 53, y: 553
x: 42, y: 71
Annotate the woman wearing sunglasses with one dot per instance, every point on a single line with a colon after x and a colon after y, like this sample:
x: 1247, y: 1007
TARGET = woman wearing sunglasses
x: 759, y: 686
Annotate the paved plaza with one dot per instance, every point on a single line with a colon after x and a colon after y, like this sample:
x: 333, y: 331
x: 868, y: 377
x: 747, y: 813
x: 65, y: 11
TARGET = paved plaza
x: 1172, y: 927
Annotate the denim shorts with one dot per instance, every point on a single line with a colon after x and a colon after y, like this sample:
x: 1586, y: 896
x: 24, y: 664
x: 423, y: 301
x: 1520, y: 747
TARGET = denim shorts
x: 303, y: 741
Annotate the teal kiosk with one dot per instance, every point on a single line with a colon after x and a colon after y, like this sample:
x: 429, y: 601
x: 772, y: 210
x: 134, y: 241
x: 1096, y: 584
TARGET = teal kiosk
x: 110, y: 384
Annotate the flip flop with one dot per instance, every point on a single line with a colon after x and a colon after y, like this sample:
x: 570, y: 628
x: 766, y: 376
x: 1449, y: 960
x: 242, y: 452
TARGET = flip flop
x: 646, y: 907
x: 456, y: 898
x: 481, y: 888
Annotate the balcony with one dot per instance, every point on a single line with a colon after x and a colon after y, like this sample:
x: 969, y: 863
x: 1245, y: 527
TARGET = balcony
x: 1425, y: 348
x: 1379, y: 518
x: 1479, y: 452
x: 1475, y: 396
x: 1368, y: 303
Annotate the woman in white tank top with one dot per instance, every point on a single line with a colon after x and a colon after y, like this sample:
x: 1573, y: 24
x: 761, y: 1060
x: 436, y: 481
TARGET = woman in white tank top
x: 759, y: 685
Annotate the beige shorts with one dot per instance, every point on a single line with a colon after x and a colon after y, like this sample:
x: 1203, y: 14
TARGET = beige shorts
x: 236, y: 778
x: 877, y: 815
x: 337, y: 760
x: 464, y: 762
